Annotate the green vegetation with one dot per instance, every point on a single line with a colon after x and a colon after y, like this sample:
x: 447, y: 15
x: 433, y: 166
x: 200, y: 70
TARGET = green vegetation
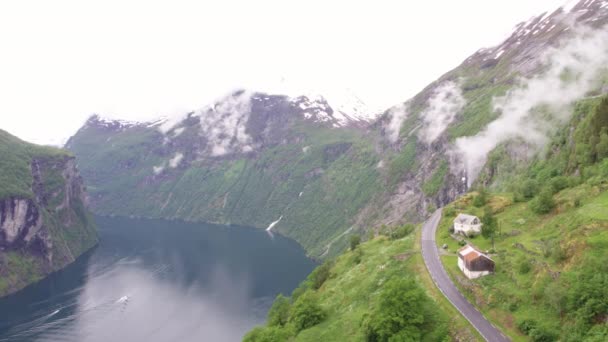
x: 318, y: 185
x: 433, y: 184
x: 15, y: 159
x: 372, y: 293
x: 67, y: 221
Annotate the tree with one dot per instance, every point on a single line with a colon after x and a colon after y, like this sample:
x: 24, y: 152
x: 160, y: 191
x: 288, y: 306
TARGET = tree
x: 481, y: 198
x: 529, y: 189
x: 320, y: 275
x: 306, y: 311
x: 602, y: 146
x: 400, y: 312
x: 355, y: 240
x: 543, y: 203
x: 490, y: 224
x: 278, y: 315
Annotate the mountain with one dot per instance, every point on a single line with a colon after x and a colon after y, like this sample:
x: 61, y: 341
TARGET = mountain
x: 44, y: 223
x: 249, y: 158
x: 522, y: 128
x: 321, y: 173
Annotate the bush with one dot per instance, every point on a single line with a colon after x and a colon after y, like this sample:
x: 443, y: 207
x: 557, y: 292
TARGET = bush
x: 481, y: 198
x: 278, y: 315
x: 320, y: 275
x: 536, y: 332
x: 529, y: 189
x: 402, y: 231
x: 559, y: 183
x: 355, y: 240
x: 524, y: 266
x: 306, y: 312
x: 357, y: 256
x: 543, y: 203
x: 401, y: 313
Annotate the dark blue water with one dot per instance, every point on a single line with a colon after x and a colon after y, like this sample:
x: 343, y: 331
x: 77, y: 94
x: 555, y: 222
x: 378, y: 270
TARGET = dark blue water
x: 156, y: 280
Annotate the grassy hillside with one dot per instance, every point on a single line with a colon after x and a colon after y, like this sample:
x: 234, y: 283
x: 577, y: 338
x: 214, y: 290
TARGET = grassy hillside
x: 551, y: 240
x: 377, y: 291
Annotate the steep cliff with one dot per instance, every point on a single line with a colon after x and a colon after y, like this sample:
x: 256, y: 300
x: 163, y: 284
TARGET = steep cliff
x: 44, y: 224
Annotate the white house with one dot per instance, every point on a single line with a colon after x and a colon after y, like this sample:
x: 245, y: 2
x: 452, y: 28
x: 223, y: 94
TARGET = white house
x: 467, y: 224
x: 473, y: 263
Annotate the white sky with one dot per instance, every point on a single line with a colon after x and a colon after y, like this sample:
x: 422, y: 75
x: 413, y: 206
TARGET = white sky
x: 61, y: 61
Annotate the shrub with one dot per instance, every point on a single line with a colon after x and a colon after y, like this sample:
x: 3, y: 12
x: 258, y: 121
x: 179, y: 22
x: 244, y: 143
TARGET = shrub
x: 481, y: 198
x: 529, y: 189
x: 355, y: 240
x: 559, y: 183
x: 543, y: 203
x: 401, y: 313
x: 402, y: 231
x: 524, y: 266
x: 320, y: 275
x: 306, y: 312
x: 278, y: 315
x: 357, y: 256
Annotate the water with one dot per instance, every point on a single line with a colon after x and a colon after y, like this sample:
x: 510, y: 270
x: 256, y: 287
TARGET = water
x: 155, y: 280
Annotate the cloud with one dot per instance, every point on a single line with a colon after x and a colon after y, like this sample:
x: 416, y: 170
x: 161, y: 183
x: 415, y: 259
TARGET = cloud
x: 443, y: 105
x: 174, y: 162
x: 224, y: 124
x: 571, y: 70
x: 396, y: 115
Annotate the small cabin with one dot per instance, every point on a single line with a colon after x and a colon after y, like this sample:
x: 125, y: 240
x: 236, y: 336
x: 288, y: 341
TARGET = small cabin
x: 473, y: 263
x: 467, y: 224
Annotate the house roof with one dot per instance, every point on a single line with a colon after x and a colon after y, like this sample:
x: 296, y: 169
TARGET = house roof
x: 465, y: 219
x: 469, y: 253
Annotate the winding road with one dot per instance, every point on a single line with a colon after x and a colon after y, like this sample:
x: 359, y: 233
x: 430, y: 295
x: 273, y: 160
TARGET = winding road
x: 430, y: 254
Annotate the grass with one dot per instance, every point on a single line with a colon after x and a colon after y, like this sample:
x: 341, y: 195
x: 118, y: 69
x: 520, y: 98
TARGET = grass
x: 531, y: 251
x: 596, y: 209
x: 353, y: 288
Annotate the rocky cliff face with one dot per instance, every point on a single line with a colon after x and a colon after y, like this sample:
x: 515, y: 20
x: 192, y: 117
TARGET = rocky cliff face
x: 45, y: 226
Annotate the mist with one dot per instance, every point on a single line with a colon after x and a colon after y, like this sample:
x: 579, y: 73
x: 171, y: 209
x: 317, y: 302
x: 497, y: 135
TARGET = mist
x: 570, y: 71
x: 396, y: 116
x: 443, y: 106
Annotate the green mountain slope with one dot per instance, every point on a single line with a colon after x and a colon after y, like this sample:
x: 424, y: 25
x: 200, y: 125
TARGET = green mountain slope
x: 44, y: 224
x: 370, y: 293
x: 551, y: 242
x: 319, y: 179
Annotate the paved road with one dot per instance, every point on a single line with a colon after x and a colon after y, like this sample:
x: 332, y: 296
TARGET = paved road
x: 430, y: 254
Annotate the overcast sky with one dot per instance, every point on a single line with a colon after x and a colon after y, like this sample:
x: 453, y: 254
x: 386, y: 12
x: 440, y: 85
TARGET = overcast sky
x: 61, y: 61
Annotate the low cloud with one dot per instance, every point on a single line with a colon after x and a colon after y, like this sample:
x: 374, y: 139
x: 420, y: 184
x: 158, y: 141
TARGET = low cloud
x: 396, y: 115
x: 174, y: 162
x: 443, y: 105
x: 570, y: 71
x: 224, y: 124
